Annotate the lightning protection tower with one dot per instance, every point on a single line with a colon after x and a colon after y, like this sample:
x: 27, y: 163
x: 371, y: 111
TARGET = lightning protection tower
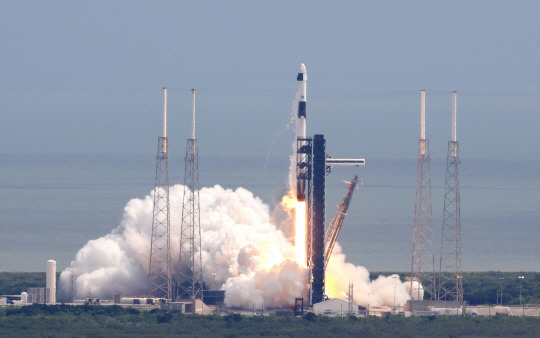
x: 190, y: 275
x: 450, y: 274
x: 423, y: 259
x: 159, y: 269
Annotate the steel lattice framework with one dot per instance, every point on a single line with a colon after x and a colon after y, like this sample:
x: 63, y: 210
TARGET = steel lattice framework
x: 304, y: 174
x: 317, y: 225
x: 423, y: 259
x: 332, y: 231
x: 450, y: 273
x: 159, y: 271
x: 350, y: 299
x: 190, y: 275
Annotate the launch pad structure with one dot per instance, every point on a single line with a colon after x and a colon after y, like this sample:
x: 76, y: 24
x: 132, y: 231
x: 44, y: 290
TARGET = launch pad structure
x: 319, y: 180
x: 316, y: 166
x: 312, y: 166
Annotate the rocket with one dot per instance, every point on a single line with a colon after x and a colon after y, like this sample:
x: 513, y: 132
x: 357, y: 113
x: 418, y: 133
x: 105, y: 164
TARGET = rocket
x: 301, y: 135
x: 301, y: 122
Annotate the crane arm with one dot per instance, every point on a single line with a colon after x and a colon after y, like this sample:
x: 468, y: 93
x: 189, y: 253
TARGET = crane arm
x: 334, y: 227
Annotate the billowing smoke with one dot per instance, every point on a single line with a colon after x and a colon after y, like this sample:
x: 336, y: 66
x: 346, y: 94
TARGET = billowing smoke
x: 242, y: 252
x: 379, y: 292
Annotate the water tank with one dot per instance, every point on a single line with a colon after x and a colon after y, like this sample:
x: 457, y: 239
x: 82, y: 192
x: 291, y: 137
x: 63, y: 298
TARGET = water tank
x: 51, y: 282
x: 24, y: 297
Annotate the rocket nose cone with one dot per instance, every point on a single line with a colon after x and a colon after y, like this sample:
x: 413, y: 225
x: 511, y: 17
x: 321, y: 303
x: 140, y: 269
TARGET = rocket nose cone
x: 302, y: 76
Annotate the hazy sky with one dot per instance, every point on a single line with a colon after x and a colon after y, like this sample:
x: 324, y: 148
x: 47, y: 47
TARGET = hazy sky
x: 86, y: 76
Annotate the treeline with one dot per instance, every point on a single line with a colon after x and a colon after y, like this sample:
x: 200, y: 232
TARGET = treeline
x: 13, y: 283
x: 485, y: 287
x: 75, y: 321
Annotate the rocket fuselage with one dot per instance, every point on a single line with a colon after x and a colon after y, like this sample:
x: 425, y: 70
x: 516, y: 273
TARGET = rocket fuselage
x: 301, y: 122
x: 301, y: 131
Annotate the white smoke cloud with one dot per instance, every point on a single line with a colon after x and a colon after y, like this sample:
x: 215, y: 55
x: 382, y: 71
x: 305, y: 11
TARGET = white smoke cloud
x: 242, y: 252
x: 378, y: 292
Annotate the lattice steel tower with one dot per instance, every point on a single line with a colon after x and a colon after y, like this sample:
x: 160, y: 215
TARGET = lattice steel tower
x: 190, y: 274
x: 423, y: 258
x: 450, y: 273
x: 159, y: 269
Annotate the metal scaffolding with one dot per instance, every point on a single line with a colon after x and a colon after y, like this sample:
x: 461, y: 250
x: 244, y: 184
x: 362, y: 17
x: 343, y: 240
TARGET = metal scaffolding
x: 304, y: 176
x: 160, y: 258
x: 423, y: 258
x: 317, y: 228
x: 190, y: 281
x: 450, y: 273
x: 159, y: 269
x: 350, y: 299
x: 332, y: 231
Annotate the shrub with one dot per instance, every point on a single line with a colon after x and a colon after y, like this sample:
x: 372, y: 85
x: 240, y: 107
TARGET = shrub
x: 133, y: 311
x: 236, y: 317
x: 310, y: 316
x: 164, y: 317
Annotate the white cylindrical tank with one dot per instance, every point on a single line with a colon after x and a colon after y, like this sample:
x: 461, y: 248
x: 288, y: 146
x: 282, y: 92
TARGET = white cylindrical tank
x: 24, y: 297
x: 502, y: 311
x: 51, y: 282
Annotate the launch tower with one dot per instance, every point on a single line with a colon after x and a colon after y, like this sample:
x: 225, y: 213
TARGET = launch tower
x: 317, y: 231
x: 450, y: 274
x: 190, y: 281
x: 159, y: 269
x: 423, y: 259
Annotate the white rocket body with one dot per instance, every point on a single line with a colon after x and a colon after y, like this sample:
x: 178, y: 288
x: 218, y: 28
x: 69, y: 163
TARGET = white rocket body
x: 301, y: 131
x: 301, y: 122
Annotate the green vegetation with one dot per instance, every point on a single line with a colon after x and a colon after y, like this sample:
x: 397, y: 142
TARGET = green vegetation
x: 484, y: 287
x: 81, y: 321
x: 13, y: 283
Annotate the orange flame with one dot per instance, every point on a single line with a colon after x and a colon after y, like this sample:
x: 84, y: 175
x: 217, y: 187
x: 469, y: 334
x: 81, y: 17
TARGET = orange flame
x: 290, y: 203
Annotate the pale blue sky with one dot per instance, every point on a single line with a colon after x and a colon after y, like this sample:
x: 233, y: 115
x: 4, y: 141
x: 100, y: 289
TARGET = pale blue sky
x: 86, y: 77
